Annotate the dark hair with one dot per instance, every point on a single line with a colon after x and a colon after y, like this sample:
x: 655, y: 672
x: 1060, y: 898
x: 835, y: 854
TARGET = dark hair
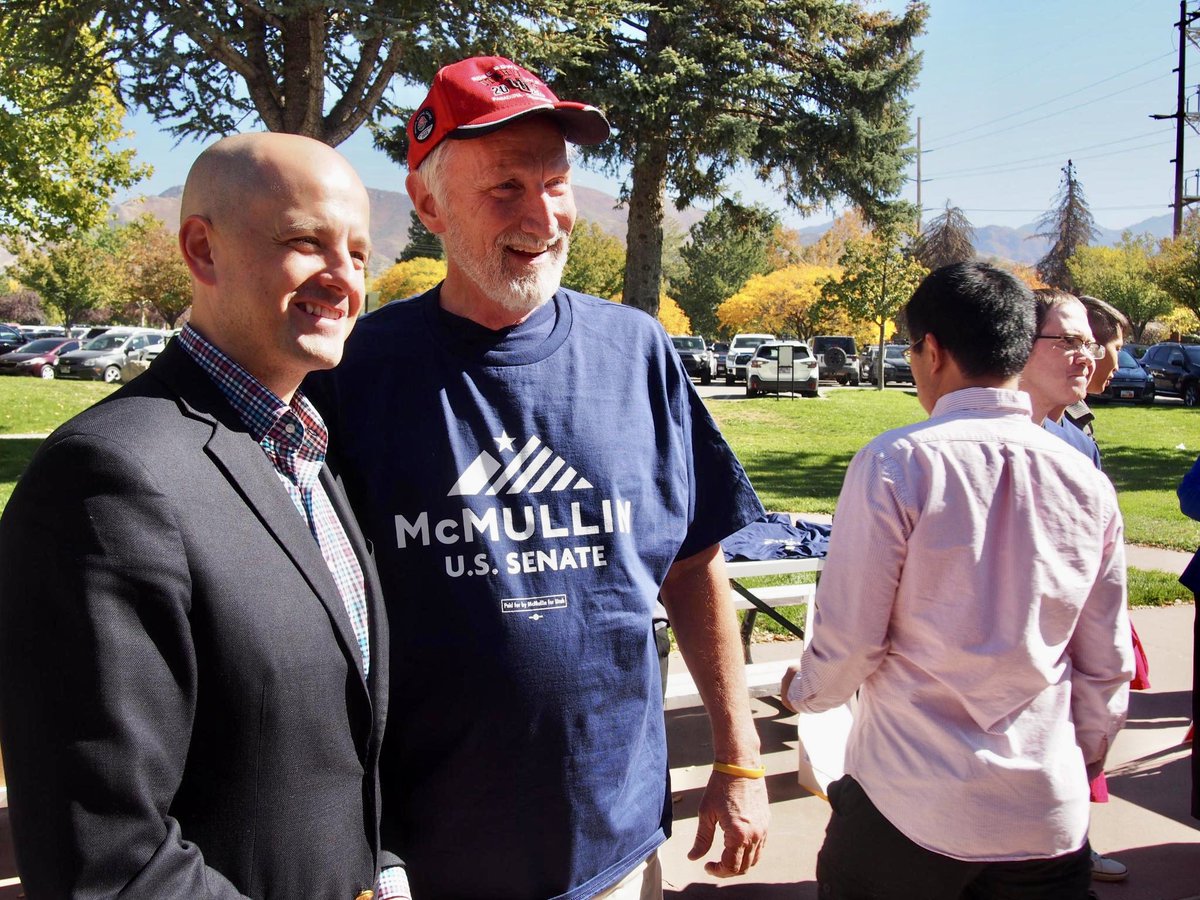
x: 980, y: 314
x: 1108, y: 323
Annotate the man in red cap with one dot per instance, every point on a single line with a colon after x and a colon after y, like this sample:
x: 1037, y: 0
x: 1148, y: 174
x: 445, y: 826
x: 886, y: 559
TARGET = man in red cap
x: 534, y: 469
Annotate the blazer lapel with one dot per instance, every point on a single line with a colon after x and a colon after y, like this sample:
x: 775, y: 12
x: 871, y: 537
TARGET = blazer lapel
x: 251, y: 473
x: 377, y: 622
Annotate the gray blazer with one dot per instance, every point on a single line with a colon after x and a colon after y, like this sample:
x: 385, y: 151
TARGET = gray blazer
x: 183, y: 710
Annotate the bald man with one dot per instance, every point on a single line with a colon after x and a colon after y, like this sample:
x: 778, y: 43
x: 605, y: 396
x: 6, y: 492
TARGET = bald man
x: 193, y: 659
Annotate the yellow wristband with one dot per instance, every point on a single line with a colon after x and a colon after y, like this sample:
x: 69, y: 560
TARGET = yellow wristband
x: 739, y: 771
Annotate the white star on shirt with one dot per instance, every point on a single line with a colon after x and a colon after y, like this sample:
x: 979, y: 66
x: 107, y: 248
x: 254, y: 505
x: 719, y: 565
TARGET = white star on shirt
x: 504, y: 442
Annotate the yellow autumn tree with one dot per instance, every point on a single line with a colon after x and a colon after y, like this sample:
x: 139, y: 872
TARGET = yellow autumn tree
x: 1179, y: 321
x: 405, y: 279
x: 1027, y: 274
x: 786, y: 301
x: 671, y: 317
x: 828, y: 249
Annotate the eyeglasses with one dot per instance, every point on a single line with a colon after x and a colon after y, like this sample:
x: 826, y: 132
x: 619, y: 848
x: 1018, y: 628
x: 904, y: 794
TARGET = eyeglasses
x: 1074, y: 343
x: 908, y: 351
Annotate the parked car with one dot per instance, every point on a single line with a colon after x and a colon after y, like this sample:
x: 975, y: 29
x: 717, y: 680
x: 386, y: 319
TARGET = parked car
x: 782, y: 366
x: 696, y: 358
x: 102, y: 357
x: 139, y: 361
x: 720, y: 352
x: 741, y: 348
x: 35, y: 332
x: 11, y: 339
x: 895, y: 366
x: 86, y: 332
x: 1137, y: 351
x: 37, y: 358
x: 1129, y: 382
x: 1175, y: 371
x: 838, y: 356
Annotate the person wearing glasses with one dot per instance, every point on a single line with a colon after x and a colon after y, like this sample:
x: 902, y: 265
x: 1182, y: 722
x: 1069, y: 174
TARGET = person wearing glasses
x: 1061, y: 365
x: 984, y: 623
x: 1065, y: 363
x: 1109, y: 327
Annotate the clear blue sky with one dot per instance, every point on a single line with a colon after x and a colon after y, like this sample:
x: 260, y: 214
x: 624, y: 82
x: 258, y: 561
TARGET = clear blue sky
x: 1008, y: 91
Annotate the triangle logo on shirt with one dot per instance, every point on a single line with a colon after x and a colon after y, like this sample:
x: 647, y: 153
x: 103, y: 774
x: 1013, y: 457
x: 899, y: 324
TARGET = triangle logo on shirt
x: 534, y: 468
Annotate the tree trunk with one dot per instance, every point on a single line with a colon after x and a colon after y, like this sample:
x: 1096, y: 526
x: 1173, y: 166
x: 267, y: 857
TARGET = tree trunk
x: 879, y: 360
x: 644, y: 236
x: 303, y: 72
x: 882, y: 323
x: 644, y: 239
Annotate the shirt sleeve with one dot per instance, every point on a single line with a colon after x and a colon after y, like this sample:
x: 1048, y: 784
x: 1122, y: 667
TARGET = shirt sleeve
x: 1101, y: 652
x: 1189, y: 492
x: 722, y: 499
x: 393, y: 884
x: 858, y: 585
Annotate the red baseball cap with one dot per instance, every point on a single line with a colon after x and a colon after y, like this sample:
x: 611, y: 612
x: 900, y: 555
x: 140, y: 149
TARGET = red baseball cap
x: 483, y: 94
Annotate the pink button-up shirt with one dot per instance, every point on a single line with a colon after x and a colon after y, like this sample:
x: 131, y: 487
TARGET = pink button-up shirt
x: 975, y: 589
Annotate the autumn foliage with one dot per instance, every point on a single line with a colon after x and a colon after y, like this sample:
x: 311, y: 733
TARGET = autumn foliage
x: 408, y: 278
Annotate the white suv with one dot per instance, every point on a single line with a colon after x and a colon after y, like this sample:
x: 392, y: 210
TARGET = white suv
x: 741, y: 348
x: 783, y: 366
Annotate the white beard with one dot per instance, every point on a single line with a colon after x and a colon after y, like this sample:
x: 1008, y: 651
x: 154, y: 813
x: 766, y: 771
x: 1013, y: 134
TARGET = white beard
x: 518, y: 294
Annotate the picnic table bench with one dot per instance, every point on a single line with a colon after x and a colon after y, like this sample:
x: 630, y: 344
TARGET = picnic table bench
x: 762, y: 679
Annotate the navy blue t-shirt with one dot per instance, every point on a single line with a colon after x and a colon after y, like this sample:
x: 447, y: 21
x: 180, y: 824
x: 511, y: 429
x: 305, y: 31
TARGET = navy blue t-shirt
x: 1076, y: 438
x: 525, y: 492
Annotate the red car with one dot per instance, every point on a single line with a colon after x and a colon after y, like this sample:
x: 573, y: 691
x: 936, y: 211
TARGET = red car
x: 37, y: 357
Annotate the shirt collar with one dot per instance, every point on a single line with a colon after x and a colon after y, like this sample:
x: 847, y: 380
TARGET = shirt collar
x: 983, y: 399
x: 264, y: 413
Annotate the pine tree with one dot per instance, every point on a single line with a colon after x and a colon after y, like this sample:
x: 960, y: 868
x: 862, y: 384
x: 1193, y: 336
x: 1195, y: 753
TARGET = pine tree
x: 421, y: 241
x: 727, y: 246
x: 1069, y: 225
x: 948, y: 238
x: 807, y: 94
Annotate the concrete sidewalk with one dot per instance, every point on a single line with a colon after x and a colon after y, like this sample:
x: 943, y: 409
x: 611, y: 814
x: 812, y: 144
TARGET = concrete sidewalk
x: 1146, y: 824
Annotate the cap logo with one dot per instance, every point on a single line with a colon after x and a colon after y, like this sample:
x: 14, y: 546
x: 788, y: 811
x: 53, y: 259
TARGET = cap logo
x: 423, y: 125
x: 503, y: 83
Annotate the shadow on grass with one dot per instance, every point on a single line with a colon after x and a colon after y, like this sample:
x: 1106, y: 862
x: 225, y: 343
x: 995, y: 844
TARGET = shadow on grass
x: 1145, y: 468
x: 779, y: 474
x: 14, y: 457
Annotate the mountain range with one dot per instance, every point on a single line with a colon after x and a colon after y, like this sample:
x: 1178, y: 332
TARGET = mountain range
x: 390, y: 221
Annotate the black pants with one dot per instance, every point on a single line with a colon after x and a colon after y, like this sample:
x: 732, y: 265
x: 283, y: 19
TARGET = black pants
x: 865, y: 857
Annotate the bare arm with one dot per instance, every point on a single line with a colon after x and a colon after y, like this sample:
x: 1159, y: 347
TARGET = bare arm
x: 696, y: 594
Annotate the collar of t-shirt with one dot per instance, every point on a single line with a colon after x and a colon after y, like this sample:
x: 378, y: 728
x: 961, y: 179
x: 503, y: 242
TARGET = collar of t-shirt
x: 542, y: 332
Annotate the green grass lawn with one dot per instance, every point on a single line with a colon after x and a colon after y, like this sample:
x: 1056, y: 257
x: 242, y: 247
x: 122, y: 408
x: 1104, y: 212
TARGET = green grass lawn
x: 34, y: 406
x: 796, y: 452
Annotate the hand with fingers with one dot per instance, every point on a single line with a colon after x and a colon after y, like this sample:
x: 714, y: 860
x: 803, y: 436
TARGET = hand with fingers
x: 741, y: 808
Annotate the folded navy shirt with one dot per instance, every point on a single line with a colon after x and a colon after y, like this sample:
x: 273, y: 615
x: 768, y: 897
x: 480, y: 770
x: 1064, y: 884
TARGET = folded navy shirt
x: 775, y: 537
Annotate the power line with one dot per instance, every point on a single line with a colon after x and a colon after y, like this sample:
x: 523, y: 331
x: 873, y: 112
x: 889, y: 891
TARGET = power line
x: 1047, y: 116
x: 1094, y: 208
x: 1049, y: 157
x: 1056, y: 99
x: 1007, y: 171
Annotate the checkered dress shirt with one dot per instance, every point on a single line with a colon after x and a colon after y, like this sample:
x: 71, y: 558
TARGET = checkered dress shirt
x: 294, y: 439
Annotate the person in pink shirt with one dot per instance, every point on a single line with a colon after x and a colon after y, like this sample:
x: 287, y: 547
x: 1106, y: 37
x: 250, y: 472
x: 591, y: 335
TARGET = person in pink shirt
x: 974, y: 596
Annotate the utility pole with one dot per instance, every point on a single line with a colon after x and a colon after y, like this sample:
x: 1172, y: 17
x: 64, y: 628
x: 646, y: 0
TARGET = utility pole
x: 1181, y: 115
x: 920, y: 209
